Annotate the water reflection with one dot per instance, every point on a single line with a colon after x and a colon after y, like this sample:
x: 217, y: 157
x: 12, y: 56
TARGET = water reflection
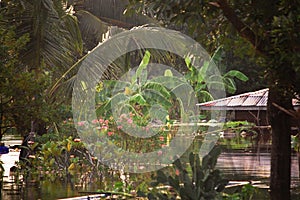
x: 239, y: 165
x: 242, y: 160
x: 45, y: 190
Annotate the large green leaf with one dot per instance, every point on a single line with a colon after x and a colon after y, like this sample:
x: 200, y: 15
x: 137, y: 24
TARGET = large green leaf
x: 215, y: 85
x: 168, y: 82
x: 185, y: 93
x: 236, y: 74
x: 204, y: 96
x: 217, y: 56
x: 126, y: 108
x: 157, y: 87
x: 141, y: 72
x: 116, y: 86
x: 137, y: 98
x: 119, y: 99
x: 188, y: 63
x: 203, y: 70
x: 158, y: 112
x: 229, y: 85
x: 153, y: 96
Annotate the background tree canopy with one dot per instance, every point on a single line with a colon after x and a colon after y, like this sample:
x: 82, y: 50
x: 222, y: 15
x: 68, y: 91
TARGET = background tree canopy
x: 42, y: 39
x: 39, y: 41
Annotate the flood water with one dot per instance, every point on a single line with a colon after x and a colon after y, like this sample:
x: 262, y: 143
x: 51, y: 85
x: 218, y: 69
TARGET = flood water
x: 241, y: 166
x: 236, y: 165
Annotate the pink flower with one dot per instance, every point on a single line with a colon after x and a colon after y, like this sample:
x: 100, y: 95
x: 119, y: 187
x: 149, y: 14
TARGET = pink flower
x: 161, y: 138
x: 123, y: 116
x: 104, y: 127
x: 177, y: 172
x: 106, y: 122
x: 101, y: 120
x: 95, y: 121
x: 119, y: 127
x: 80, y: 123
x: 129, y: 121
x: 109, y: 133
x: 159, y: 153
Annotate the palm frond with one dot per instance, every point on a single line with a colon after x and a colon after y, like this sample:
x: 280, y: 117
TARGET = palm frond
x: 93, y: 29
x: 92, y: 61
x: 52, y: 45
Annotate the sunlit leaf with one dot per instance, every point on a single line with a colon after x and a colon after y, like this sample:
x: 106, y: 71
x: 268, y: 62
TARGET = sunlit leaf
x: 236, y: 74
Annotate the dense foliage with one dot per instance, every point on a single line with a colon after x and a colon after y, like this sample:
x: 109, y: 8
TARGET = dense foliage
x: 39, y: 41
x: 197, y: 180
x: 269, y: 31
x: 272, y: 29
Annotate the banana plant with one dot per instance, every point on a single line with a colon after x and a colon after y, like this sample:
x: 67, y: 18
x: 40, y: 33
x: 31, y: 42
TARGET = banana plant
x: 199, y: 180
x: 205, y: 79
x: 144, y: 97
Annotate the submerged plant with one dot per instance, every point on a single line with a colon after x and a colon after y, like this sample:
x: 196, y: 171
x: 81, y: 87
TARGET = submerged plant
x: 247, y: 192
x: 198, y: 180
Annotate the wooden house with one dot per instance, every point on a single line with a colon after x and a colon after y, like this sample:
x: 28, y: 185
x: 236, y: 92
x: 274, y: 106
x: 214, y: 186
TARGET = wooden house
x: 250, y: 106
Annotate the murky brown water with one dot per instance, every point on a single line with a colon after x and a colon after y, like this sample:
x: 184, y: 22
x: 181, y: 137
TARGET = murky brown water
x: 236, y: 165
x: 252, y: 166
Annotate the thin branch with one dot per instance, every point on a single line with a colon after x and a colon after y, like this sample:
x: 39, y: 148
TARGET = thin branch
x: 243, y: 29
x: 291, y: 113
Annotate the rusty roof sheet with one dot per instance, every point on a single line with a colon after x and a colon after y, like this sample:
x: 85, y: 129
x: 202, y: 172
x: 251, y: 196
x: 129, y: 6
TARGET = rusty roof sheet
x: 257, y: 98
x: 264, y: 99
x: 237, y: 101
x: 254, y: 100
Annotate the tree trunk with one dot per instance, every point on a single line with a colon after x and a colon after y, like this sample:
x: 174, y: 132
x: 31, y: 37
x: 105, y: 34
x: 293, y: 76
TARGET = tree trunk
x: 281, y: 144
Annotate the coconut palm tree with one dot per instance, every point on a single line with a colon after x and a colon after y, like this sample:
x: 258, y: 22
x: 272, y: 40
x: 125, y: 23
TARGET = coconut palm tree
x: 98, y: 20
x: 53, y: 44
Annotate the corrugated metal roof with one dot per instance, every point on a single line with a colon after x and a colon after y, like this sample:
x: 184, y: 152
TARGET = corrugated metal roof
x: 222, y: 102
x: 237, y: 101
x: 255, y: 98
x: 264, y: 99
x: 251, y: 100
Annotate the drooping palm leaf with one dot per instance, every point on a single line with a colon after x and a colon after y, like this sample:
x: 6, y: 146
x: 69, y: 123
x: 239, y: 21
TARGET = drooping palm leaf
x: 53, y: 44
x: 117, y: 67
x: 93, y: 30
x: 54, y: 38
